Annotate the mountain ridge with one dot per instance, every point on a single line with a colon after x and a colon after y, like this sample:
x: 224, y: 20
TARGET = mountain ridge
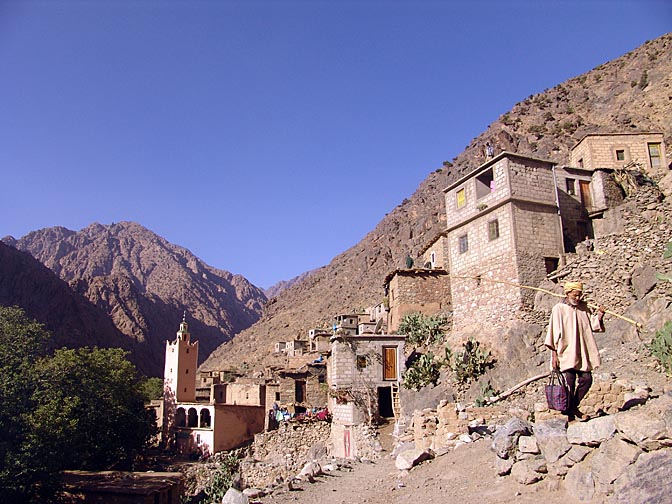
x: 632, y: 93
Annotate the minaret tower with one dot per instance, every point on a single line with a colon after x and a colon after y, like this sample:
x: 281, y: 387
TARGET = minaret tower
x: 179, y: 376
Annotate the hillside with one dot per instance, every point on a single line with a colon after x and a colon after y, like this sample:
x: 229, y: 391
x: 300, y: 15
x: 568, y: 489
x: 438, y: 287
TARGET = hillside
x: 630, y: 94
x: 144, y: 284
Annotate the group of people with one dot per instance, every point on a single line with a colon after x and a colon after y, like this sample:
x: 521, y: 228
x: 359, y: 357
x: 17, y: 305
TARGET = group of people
x: 574, y: 351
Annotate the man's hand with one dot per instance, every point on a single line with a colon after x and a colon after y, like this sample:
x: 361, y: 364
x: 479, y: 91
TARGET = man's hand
x: 555, y: 362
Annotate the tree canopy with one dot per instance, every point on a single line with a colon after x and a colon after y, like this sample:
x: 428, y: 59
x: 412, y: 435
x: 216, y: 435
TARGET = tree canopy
x: 75, y: 409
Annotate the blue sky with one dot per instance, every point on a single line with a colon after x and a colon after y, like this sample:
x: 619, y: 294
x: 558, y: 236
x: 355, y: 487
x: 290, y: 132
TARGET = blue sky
x: 269, y: 136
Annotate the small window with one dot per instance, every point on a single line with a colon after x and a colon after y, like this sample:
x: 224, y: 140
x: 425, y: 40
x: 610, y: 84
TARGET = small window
x: 654, y: 155
x: 187, y: 350
x: 581, y: 163
x: 485, y: 183
x: 570, y: 186
x: 493, y: 229
x: 186, y: 371
x: 620, y: 154
x: 464, y: 244
x: 361, y: 362
x: 433, y: 258
x: 277, y: 396
x: 461, y: 198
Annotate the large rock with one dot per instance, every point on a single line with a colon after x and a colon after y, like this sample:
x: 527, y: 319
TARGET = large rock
x: 579, y: 482
x: 643, y: 280
x: 409, y: 458
x: 505, y: 440
x: 612, y: 458
x: 552, y: 439
x: 647, y: 480
x: 233, y: 496
x: 592, y: 433
x: 525, y: 473
x: 645, y: 429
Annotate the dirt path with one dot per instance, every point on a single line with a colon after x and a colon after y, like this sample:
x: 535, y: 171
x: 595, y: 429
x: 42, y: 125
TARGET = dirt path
x: 466, y: 475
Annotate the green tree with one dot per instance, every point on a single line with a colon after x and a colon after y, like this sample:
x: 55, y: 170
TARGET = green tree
x: 77, y: 409
x: 151, y: 388
x: 89, y: 401
x: 22, y: 343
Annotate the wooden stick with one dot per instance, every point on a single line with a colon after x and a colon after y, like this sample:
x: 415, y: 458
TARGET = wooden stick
x: 503, y: 395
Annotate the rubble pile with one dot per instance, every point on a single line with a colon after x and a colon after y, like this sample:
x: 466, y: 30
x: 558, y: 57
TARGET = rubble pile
x: 280, y: 454
x: 621, y: 457
x: 622, y: 268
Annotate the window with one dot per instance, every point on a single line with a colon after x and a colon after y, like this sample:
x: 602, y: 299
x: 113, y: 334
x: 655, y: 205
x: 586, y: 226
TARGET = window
x: 654, y: 155
x: 187, y: 350
x: 581, y: 163
x: 570, y: 186
x: 620, y: 154
x: 461, y: 198
x: 493, y: 229
x: 433, y: 258
x: 361, y: 362
x: 485, y: 183
x: 464, y: 244
x: 277, y: 396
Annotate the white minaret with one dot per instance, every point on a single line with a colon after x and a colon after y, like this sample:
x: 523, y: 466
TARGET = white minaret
x: 179, y: 376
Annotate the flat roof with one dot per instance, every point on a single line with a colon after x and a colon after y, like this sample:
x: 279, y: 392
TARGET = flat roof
x: 615, y: 134
x: 492, y: 161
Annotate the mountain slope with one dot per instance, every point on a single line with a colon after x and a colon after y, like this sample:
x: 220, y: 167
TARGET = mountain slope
x: 630, y: 94
x: 72, y: 320
x: 144, y: 283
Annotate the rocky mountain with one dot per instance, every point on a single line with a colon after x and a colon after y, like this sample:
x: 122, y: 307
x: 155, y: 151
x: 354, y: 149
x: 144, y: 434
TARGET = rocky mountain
x: 276, y: 289
x: 630, y: 94
x: 70, y: 317
x: 144, y: 284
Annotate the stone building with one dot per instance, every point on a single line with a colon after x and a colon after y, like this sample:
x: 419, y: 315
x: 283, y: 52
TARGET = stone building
x: 364, y: 372
x: 503, y: 230
x: 416, y: 290
x: 211, y: 425
x: 619, y: 150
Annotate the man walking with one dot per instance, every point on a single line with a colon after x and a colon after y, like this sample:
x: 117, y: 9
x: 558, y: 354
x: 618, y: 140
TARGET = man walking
x: 572, y: 344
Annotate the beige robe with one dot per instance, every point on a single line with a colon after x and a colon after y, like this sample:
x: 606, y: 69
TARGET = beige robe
x: 570, y: 334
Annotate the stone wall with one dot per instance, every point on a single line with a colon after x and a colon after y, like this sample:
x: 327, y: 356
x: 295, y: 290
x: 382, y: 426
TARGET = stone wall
x: 280, y: 454
x: 599, y: 151
x: 419, y: 290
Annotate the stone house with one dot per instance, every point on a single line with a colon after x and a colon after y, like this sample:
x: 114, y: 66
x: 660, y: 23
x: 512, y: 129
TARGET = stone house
x: 318, y: 340
x: 416, y: 290
x: 193, y: 426
x: 298, y: 389
x: 364, y: 372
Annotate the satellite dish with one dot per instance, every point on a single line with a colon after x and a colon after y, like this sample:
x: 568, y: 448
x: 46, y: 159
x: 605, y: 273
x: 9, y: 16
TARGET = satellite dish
x: 379, y: 325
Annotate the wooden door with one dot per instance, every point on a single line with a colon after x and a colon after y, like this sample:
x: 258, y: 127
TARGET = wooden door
x: 586, y: 200
x: 389, y: 363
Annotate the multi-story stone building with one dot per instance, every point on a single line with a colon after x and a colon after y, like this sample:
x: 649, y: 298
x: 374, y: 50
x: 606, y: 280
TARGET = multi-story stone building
x: 503, y: 230
x: 364, y: 372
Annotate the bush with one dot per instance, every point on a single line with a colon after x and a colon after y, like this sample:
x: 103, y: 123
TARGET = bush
x: 470, y: 363
x: 661, y: 347
x: 421, y: 329
x: 424, y: 371
x: 222, y: 479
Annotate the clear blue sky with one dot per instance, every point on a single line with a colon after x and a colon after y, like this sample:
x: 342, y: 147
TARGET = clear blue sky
x: 269, y: 136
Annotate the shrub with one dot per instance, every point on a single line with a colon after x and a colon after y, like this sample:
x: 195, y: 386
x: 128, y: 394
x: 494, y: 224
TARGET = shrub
x: 222, y: 479
x: 421, y: 329
x: 661, y: 347
x: 470, y: 363
x: 424, y: 371
x: 487, y: 391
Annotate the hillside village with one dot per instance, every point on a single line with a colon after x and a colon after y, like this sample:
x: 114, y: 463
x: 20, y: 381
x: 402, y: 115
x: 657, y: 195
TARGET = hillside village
x: 514, y: 225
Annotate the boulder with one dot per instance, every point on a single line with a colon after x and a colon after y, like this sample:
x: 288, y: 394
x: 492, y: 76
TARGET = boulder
x: 552, y: 439
x: 646, y: 430
x: 579, y: 482
x: 505, y: 440
x: 528, y: 444
x: 524, y: 473
x: 612, y: 458
x: 647, y: 480
x: 643, y: 280
x: 593, y: 432
x: 410, y: 458
x: 503, y: 466
x: 233, y: 496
